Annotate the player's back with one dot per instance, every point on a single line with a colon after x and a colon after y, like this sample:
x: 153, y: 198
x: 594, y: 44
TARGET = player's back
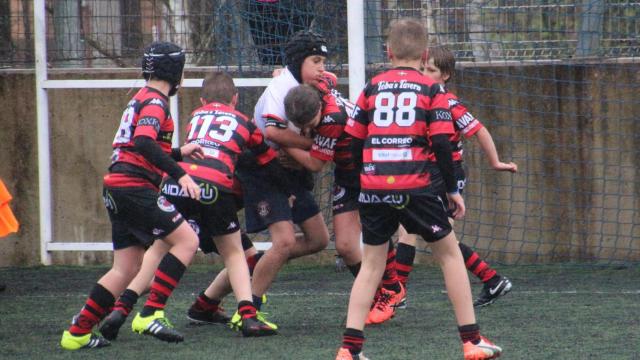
x: 147, y: 113
x: 398, y: 110
x: 223, y: 134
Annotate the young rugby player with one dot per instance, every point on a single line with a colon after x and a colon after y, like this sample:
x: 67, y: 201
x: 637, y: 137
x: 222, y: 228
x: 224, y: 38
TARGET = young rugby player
x: 327, y: 119
x: 141, y: 153
x: 440, y: 67
x: 223, y: 134
x: 400, y: 119
x: 268, y: 207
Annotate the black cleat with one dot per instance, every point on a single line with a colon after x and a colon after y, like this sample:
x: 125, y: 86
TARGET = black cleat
x: 207, y: 317
x: 112, y: 324
x: 489, y: 294
x: 252, y: 327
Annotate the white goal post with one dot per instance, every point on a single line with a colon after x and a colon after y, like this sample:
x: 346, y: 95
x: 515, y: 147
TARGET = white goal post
x: 356, y: 80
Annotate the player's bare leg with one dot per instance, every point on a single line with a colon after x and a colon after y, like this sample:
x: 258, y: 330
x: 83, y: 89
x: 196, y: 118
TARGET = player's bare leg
x: 347, y: 229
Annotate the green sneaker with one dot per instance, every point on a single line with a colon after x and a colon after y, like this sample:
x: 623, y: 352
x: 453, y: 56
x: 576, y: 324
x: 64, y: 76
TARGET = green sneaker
x: 236, y: 321
x: 88, y: 341
x: 156, y: 325
x: 261, y: 316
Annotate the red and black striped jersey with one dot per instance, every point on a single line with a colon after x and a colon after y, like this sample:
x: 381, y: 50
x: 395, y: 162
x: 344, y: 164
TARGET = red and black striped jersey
x: 223, y: 134
x: 147, y: 114
x: 396, y: 114
x: 464, y: 124
x: 332, y: 143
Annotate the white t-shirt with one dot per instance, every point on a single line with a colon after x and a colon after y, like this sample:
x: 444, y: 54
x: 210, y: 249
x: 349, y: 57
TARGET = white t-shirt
x: 269, y: 110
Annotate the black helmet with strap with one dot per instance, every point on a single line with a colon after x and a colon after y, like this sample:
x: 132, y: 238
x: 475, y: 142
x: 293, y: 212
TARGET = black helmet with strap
x: 303, y: 44
x: 164, y: 61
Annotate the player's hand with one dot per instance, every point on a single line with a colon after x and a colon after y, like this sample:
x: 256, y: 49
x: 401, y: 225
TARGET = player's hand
x: 190, y: 187
x: 511, y: 167
x: 276, y: 72
x: 456, y: 203
x: 193, y: 150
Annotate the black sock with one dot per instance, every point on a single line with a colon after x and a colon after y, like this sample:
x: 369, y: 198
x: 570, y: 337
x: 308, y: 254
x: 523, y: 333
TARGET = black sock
x: 353, y: 340
x: 405, y: 254
x: 257, y: 301
x: 126, y: 302
x: 99, y: 302
x: 469, y: 332
x: 167, y: 277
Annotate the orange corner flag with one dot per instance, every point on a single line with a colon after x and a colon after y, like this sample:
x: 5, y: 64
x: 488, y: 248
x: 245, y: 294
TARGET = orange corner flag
x: 8, y: 222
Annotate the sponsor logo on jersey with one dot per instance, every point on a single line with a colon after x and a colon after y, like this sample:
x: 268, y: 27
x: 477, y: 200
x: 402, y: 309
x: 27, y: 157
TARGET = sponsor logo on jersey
x: 443, y: 115
x: 328, y: 120
x: 157, y: 231
x: 325, y: 142
x: 208, y: 192
x: 213, y: 153
x: 165, y: 205
x: 354, y: 114
x: 401, y: 141
x: 392, y: 155
x: 369, y: 169
x: 453, y: 102
x: 402, y: 84
x: 465, y: 120
x: 156, y: 101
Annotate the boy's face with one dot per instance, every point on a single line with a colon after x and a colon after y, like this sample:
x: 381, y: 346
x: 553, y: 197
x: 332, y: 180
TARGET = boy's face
x: 312, y: 69
x: 434, y: 72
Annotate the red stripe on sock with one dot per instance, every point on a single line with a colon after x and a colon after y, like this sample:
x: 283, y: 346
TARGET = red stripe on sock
x: 155, y: 305
x: 161, y: 289
x: 472, y: 259
x: 166, y: 278
x: 403, y: 267
x: 487, y: 274
x: 94, y: 305
x: 480, y: 268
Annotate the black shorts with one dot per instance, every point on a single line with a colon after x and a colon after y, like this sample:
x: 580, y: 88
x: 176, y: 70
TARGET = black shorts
x: 139, y: 216
x: 215, y: 214
x: 345, y: 199
x: 265, y: 204
x: 424, y: 214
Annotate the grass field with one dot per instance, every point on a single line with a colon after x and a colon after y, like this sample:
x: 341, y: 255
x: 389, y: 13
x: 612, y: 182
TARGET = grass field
x: 553, y: 312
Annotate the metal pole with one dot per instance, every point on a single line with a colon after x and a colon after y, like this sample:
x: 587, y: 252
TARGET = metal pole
x: 42, y: 113
x: 355, y: 25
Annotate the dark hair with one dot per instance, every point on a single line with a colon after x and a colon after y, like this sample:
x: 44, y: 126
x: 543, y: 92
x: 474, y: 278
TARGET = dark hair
x: 164, y: 61
x: 219, y: 87
x: 301, y: 104
x: 443, y: 59
x: 407, y: 39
